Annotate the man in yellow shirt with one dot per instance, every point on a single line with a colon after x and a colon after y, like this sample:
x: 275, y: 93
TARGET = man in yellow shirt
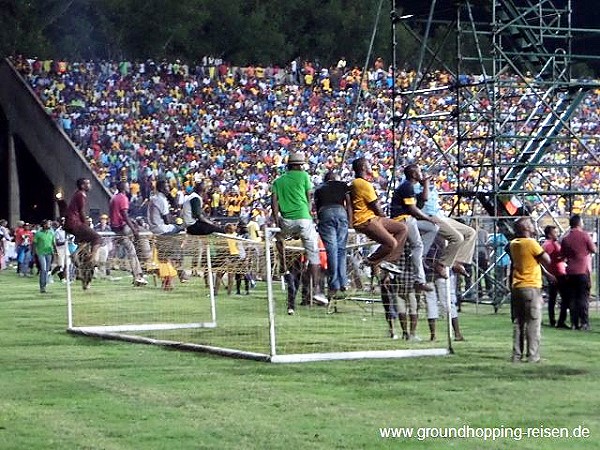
x: 527, y: 257
x: 369, y: 219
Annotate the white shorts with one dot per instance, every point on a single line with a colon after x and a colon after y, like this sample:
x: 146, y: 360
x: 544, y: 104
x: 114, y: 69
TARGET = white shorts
x: 305, y: 230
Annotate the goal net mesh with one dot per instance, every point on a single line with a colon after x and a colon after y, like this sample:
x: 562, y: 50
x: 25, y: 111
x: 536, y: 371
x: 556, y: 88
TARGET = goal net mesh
x: 230, y: 296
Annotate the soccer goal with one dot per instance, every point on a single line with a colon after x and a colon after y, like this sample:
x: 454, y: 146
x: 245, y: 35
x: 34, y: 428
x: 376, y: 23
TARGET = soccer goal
x: 229, y: 296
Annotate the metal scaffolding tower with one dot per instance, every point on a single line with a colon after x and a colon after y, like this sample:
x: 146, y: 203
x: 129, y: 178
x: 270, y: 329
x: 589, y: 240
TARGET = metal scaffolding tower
x: 508, y: 125
x: 511, y: 105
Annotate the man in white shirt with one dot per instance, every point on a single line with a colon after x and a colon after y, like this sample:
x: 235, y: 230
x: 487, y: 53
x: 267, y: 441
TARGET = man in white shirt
x: 159, y: 216
x: 193, y: 215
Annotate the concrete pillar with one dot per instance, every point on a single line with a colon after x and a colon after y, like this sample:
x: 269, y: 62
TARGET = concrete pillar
x: 14, y: 195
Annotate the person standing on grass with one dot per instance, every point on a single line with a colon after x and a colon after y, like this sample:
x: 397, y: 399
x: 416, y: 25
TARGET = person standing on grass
x: 60, y: 239
x: 527, y: 258
x: 44, y: 246
x: 334, y: 212
x: 126, y: 230
x: 23, y: 241
x: 577, y: 248
x: 4, y: 238
x: 558, y: 268
x: 398, y: 297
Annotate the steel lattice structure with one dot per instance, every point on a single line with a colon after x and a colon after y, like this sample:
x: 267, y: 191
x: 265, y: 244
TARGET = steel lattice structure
x: 515, y: 113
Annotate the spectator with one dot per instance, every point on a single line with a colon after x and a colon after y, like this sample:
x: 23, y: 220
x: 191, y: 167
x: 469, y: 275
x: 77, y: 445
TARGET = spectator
x: 23, y: 240
x: 370, y: 220
x: 557, y: 268
x: 577, y: 247
x: 404, y: 206
x: 161, y: 223
x: 60, y: 240
x: 4, y: 237
x: 229, y: 261
x: 398, y: 297
x: 125, y: 229
x: 460, y: 238
x: 334, y: 211
x: 160, y: 219
x: 439, y: 296
x: 485, y: 284
x: 76, y: 220
x: 290, y: 203
x: 44, y: 247
x: 526, y: 256
x: 193, y: 214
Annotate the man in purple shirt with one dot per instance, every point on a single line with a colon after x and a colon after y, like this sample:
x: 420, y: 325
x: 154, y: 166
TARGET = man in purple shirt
x: 577, y: 246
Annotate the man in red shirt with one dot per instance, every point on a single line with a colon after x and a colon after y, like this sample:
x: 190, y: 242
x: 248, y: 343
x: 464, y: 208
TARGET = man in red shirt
x: 577, y: 246
x: 23, y: 241
x: 122, y: 225
x: 76, y: 218
x: 557, y: 268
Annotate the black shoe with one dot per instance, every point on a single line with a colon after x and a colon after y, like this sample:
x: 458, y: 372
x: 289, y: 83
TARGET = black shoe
x: 563, y: 326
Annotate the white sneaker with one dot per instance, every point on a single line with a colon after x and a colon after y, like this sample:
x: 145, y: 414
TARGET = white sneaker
x: 390, y: 267
x: 140, y: 281
x: 321, y: 299
x: 414, y: 338
x: 290, y: 312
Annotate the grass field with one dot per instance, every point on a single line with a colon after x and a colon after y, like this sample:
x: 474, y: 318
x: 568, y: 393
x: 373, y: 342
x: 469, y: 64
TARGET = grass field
x: 71, y: 392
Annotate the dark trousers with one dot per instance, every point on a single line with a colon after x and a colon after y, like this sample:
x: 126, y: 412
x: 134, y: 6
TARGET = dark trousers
x: 486, y: 283
x: 297, y: 280
x: 389, y: 297
x: 579, y: 289
x: 201, y: 228
x: 555, y: 289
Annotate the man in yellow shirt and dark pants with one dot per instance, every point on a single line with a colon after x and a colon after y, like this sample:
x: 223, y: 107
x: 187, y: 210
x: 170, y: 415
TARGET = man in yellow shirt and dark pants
x: 527, y: 257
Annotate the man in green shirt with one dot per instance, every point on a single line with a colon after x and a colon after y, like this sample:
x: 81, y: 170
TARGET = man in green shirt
x: 290, y: 204
x: 44, y: 247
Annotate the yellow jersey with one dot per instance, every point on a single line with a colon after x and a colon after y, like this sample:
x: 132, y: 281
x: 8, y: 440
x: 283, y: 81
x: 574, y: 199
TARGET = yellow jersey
x: 526, y: 270
x: 362, y: 193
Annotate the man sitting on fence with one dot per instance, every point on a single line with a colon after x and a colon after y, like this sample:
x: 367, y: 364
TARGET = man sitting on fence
x: 290, y: 203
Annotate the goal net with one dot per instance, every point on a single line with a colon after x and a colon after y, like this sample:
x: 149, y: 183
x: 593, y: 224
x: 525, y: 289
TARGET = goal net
x: 228, y: 295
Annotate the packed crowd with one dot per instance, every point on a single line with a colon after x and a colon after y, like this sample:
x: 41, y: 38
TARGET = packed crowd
x: 235, y: 126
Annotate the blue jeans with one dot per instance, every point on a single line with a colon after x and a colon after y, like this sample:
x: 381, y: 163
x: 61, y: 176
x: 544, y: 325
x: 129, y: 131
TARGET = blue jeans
x: 333, y: 228
x: 23, y: 259
x: 45, y: 262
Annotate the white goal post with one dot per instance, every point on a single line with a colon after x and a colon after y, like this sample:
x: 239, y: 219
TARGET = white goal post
x: 227, y: 296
